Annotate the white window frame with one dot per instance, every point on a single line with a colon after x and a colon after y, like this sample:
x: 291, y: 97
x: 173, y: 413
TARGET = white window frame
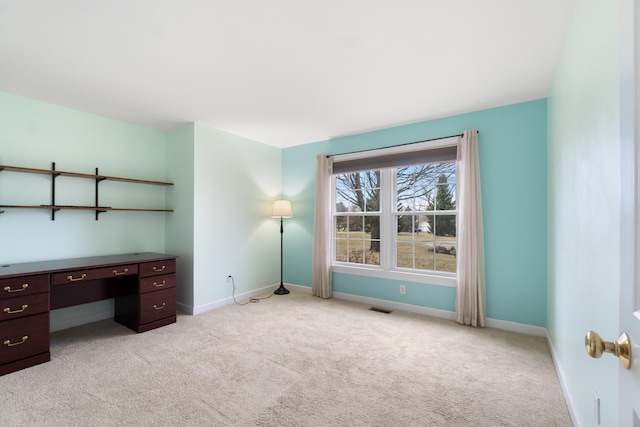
x: 387, y: 270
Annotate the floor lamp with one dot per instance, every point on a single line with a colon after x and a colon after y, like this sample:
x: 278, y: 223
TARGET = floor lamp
x: 281, y: 209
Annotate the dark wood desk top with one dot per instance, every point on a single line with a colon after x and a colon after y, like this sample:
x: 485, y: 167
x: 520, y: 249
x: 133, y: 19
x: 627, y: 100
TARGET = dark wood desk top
x: 20, y: 269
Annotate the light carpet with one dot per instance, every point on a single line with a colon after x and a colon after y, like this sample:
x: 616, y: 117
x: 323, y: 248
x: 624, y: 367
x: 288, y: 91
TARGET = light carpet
x: 292, y: 360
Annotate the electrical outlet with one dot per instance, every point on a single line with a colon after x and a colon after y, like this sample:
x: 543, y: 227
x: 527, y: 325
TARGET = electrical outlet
x: 403, y: 290
x: 596, y: 407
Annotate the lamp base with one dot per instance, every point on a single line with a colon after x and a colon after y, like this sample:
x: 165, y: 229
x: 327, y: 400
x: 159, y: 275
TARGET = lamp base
x: 281, y: 290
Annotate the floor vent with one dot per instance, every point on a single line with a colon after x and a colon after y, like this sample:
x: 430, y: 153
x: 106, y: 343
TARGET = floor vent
x: 380, y: 310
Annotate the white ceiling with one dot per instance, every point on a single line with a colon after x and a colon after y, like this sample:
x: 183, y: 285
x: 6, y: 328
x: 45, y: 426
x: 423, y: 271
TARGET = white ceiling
x: 281, y: 72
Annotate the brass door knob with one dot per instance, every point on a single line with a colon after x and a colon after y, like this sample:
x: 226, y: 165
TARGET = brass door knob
x: 621, y: 348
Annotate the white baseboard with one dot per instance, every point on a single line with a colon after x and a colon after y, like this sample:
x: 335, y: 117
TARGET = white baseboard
x: 538, y: 331
x: 563, y: 383
x: 443, y: 314
x: 299, y: 288
x: 380, y: 303
x: 226, y: 301
x: 184, y: 308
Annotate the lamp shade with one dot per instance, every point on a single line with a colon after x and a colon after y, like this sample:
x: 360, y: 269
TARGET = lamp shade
x: 281, y: 209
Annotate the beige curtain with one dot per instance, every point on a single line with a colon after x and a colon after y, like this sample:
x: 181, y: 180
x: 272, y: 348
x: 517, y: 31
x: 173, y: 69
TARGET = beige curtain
x: 321, y: 260
x: 470, y: 293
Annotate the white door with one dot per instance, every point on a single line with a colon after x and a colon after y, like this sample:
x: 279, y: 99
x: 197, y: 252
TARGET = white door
x: 629, y: 379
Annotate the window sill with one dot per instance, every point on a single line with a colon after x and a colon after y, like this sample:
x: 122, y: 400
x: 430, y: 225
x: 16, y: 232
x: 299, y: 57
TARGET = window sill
x: 428, y: 279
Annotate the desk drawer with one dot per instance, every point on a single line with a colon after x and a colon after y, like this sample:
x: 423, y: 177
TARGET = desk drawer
x: 157, y: 305
x: 24, y: 337
x: 157, y: 283
x: 24, y: 285
x: 156, y: 268
x: 14, y: 308
x: 86, y: 275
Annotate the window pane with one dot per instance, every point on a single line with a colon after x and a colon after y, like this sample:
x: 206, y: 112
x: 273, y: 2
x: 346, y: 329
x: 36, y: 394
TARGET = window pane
x: 444, y: 197
x: 414, y: 186
x: 357, y: 204
x: 359, y: 241
x: 372, y: 258
x: 404, y: 195
x: 358, y: 192
x: 342, y: 203
x: 354, y: 227
x: 341, y: 226
x: 423, y: 198
x: 423, y: 226
x: 446, y: 257
x: 341, y: 250
x: 372, y: 200
x: 372, y: 240
x: 447, y: 169
x: 406, y: 226
x: 356, y: 255
x: 425, y: 257
x: 360, y: 253
x: 445, y: 226
x: 452, y: 190
x: 428, y: 225
x: 405, y: 255
x: 344, y: 195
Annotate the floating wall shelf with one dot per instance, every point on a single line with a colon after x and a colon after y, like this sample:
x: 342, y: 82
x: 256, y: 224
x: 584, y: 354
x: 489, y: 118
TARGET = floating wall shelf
x: 97, y: 177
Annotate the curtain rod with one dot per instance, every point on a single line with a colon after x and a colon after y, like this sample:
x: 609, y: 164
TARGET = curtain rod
x: 399, y: 145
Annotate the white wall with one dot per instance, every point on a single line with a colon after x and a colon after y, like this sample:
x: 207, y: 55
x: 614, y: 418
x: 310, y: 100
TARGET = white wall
x: 235, y: 181
x: 180, y: 228
x: 584, y: 207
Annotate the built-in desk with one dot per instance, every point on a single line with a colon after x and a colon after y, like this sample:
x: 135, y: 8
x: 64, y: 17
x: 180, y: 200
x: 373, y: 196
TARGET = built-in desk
x: 142, y: 284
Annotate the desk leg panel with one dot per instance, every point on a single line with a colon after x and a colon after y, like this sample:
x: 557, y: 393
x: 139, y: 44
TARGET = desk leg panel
x: 157, y: 324
x: 27, y: 362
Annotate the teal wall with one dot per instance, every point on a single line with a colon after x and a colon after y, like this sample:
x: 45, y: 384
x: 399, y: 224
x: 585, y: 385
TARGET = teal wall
x: 584, y: 207
x: 513, y: 157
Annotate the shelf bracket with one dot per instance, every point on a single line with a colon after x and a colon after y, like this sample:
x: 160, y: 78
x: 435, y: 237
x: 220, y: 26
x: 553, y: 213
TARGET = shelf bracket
x: 98, y: 180
x: 98, y: 212
x: 53, y: 190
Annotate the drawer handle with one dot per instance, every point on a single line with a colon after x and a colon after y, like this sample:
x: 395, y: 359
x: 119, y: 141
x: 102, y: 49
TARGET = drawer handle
x: 8, y: 343
x: 20, y: 310
x: 76, y: 279
x: 115, y: 272
x: 155, y: 307
x: 159, y: 285
x: 159, y: 269
x: 24, y: 286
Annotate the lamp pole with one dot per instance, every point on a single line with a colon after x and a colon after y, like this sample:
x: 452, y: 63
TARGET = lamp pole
x: 281, y: 290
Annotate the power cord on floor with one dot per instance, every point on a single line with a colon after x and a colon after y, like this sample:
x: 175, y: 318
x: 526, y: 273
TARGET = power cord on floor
x: 251, y: 300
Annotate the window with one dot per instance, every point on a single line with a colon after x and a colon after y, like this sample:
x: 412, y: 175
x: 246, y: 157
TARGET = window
x: 357, y: 218
x: 425, y: 236
x: 399, y: 218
